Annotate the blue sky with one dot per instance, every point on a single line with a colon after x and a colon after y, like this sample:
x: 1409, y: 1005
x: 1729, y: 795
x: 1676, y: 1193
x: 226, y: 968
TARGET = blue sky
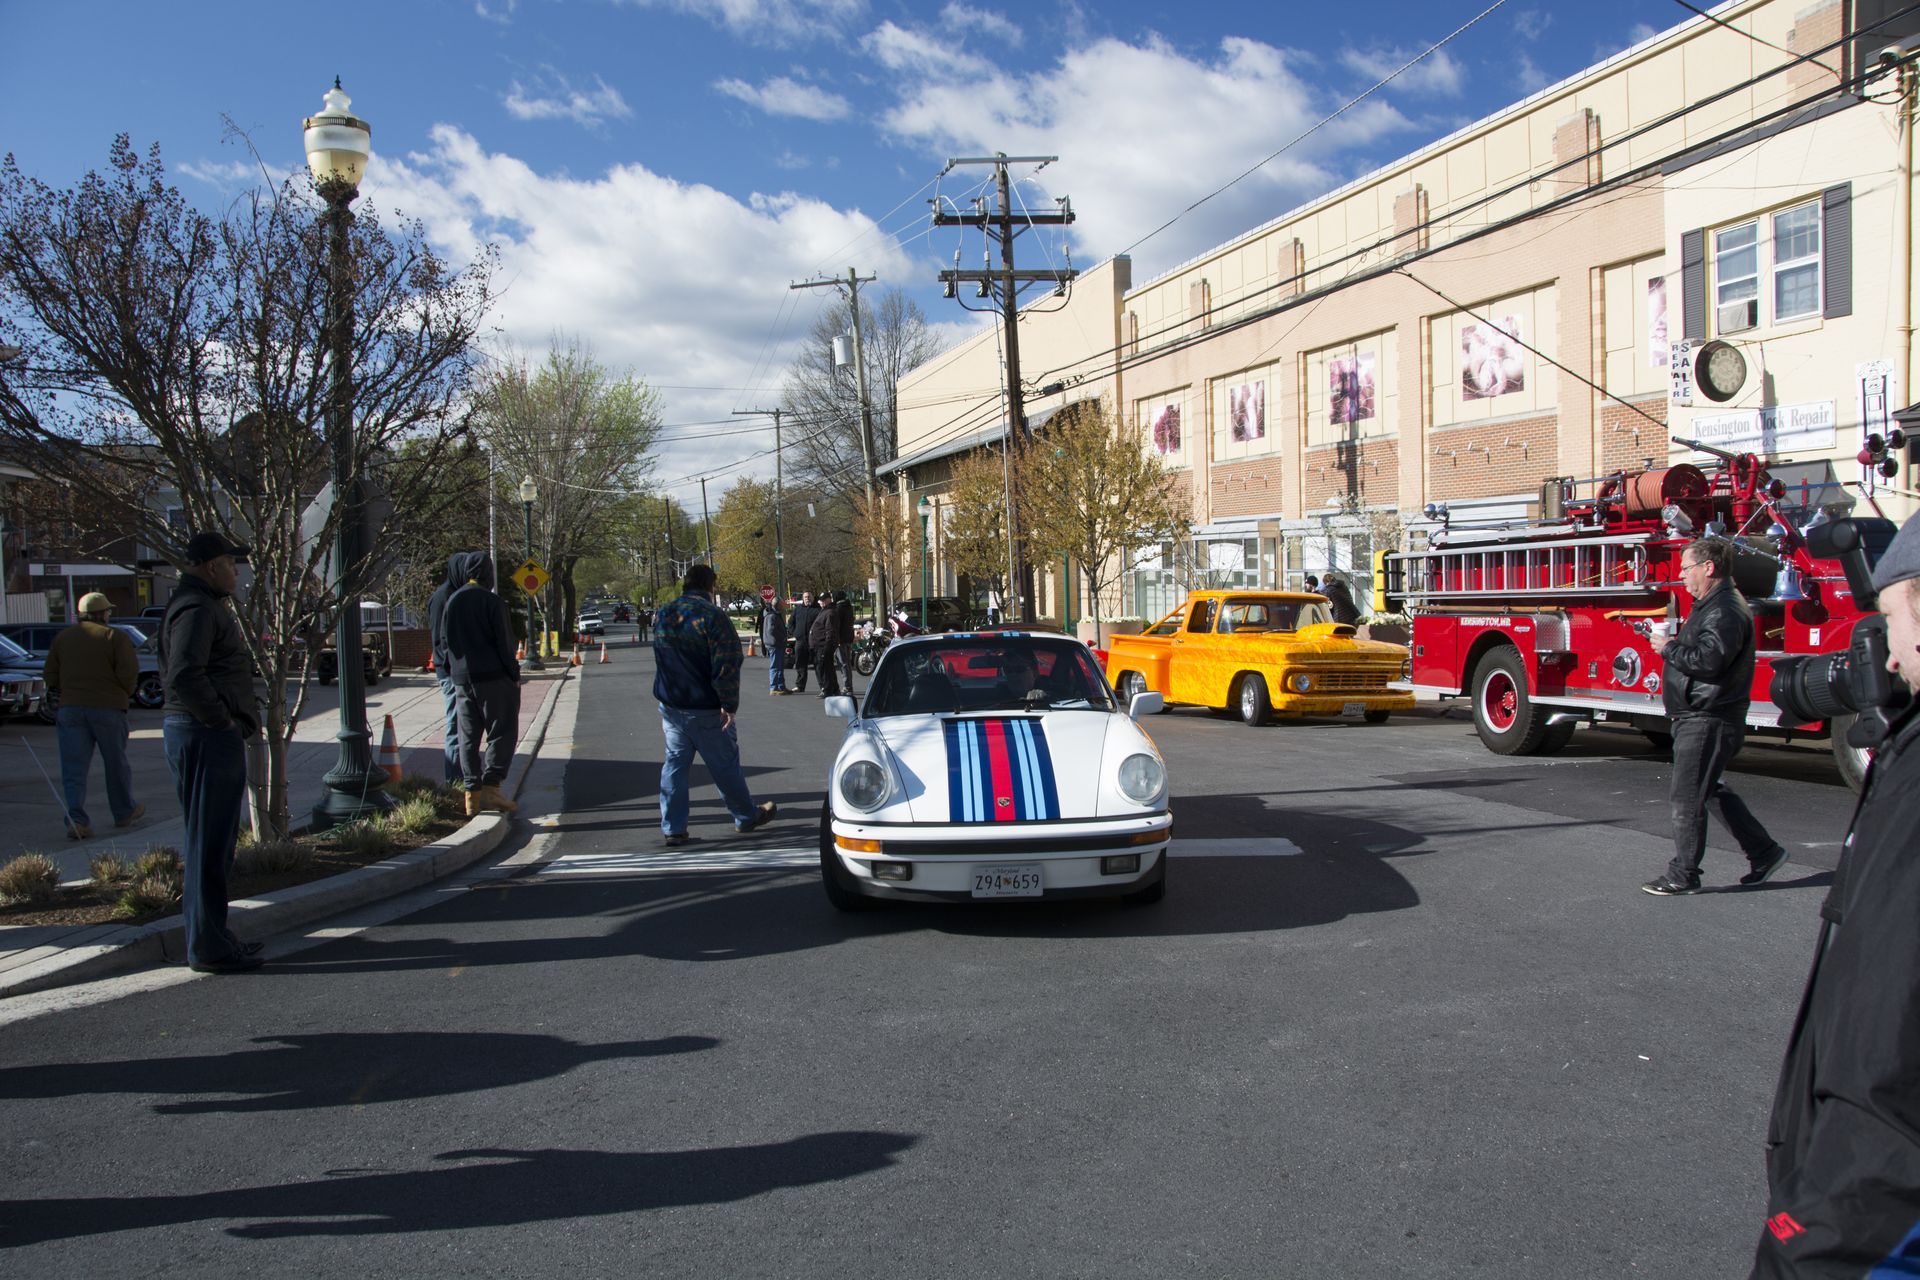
x: 656, y: 172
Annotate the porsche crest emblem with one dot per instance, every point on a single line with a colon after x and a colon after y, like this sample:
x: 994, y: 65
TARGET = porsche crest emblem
x: 1004, y: 801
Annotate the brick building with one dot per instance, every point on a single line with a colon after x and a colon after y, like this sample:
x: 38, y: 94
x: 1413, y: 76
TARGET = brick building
x: 1523, y: 299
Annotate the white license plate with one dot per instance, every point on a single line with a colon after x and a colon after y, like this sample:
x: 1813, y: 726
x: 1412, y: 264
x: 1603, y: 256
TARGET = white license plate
x: 1021, y: 880
x: 1353, y: 708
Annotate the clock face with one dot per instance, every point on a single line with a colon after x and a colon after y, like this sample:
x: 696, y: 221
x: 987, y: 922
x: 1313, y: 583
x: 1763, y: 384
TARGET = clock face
x: 1720, y: 371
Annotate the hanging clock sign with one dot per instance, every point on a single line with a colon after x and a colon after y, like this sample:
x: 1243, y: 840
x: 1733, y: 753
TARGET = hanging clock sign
x: 1719, y: 371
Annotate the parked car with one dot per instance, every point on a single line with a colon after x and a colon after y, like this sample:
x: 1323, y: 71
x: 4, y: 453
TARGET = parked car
x: 1261, y: 654
x: 22, y: 684
x: 993, y: 766
x: 37, y: 639
x: 374, y: 662
x: 590, y: 624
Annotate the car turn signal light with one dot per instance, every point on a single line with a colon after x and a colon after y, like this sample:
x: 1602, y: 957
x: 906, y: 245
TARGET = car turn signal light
x: 854, y: 844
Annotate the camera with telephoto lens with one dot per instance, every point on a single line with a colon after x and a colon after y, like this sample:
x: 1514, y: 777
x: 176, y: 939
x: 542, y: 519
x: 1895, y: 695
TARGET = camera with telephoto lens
x: 1854, y: 681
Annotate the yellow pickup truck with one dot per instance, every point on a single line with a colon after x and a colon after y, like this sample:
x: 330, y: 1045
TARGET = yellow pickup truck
x: 1261, y: 654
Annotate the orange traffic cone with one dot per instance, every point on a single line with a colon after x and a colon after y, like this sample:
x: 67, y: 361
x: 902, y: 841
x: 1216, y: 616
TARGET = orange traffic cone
x: 522, y: 655
x: 389, y: 752
x: 576, y: 657
x: 429, y: 662
x: 603, y: 655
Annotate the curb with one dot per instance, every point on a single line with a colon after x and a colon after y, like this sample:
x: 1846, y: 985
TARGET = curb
x: 106, y: 950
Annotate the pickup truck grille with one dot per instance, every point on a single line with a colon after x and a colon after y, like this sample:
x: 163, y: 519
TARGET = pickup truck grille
x: 1353, y: 681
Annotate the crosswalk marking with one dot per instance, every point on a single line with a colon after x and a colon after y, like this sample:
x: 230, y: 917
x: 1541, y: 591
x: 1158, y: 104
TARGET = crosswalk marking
x: 629, y: 861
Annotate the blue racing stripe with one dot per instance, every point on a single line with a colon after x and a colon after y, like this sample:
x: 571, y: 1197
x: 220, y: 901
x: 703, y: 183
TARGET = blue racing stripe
x: 1032, y: 799
x: 1043, y: 765
x: 956, y: 804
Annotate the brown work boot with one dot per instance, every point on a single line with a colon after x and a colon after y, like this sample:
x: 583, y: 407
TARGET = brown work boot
x: 491, y: 797
x: 474, y: 807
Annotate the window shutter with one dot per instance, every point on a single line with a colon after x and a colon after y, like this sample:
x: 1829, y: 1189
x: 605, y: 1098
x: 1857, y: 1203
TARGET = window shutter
x: 1836, y: 250
x: 1693, y: 285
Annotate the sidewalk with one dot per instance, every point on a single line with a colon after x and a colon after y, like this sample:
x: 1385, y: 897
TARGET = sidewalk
x: 35, y: 957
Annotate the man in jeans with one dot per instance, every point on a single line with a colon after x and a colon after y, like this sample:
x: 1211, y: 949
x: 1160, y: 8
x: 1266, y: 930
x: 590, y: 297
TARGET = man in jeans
x: 443, y: 667
x: 210, y: 714
x: 478, y: 641
x: 92, y: 667
x: 1705, y: 687
x: 696, y: 678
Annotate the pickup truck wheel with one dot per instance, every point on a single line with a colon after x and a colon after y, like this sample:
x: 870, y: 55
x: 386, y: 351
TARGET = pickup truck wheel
x: 1250, y: 695
x: 1132, y: 684
x: 1503, y: 715
x: 1376, y: 717
x: 151, y: 692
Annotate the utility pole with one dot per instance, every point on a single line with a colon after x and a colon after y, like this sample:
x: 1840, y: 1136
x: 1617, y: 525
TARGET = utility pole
x: 779, y: 504
x: 1005, y: 285
x: 666, y: 505
x: 852, y: 285
x: 706, y: 524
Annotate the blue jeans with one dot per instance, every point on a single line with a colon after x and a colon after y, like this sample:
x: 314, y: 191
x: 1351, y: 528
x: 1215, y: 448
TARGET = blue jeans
x: 776, y: 674
x: 80, y: 730
x: 688, y: 732
x: 210, y: 773
x: 452, y: 735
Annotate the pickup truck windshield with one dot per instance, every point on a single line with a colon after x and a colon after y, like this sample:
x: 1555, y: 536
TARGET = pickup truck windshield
x: 1002, y: 673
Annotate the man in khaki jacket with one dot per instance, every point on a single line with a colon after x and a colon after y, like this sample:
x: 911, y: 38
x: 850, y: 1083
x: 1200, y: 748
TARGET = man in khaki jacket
x: 93, y: 670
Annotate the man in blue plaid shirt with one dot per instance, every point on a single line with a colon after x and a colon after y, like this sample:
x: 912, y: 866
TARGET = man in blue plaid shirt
x: 696, y: 679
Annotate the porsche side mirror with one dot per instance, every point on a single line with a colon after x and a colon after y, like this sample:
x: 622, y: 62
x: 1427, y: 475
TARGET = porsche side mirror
x: 1146, y: 704
x: 840, y: 705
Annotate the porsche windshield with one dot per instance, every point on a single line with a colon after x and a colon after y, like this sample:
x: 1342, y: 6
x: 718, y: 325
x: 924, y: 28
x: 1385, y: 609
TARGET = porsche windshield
x: 988, y: 673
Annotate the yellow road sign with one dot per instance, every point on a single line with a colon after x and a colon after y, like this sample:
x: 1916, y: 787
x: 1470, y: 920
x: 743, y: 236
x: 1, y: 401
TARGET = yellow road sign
x: 530, y: 577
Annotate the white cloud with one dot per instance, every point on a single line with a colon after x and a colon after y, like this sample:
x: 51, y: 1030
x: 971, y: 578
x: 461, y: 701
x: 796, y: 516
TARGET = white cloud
x: 913, y: 52
x: 554, y: 98
x: 791, y: 160
x: 1532, y: 78
x: 503, y: 14
x: 1435, y: 73
x: 964, y: 17
x: 228, y: 176
x: 783, y: 97
x: 1639, y: 32
x: 677, y: 281
x: 1531, y: 24
x: 771, y: 21
x: 1143, y: 131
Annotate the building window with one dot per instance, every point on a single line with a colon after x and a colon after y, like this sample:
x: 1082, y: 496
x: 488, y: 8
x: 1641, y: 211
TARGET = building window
x: 1786, y: 264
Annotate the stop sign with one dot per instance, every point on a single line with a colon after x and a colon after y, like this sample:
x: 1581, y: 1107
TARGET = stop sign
x: 766, y: 594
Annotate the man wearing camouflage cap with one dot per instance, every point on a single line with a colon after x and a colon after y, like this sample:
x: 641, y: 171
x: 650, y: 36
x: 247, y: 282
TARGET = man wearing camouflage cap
x: 92, y: 670
x: 1843, y: 1146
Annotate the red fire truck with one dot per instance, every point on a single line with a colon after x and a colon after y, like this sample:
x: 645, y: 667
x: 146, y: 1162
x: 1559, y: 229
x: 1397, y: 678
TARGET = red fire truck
x: 1545, y: 625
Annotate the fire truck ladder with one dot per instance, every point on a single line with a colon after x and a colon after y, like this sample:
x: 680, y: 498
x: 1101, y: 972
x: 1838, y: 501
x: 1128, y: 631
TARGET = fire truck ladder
x: 1557, y: 570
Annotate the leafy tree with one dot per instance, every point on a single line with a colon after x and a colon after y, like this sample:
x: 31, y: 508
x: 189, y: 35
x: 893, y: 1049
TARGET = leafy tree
x: 1091, y: 492
x: 974, y: 524
x: 177, y: 359
x: 743, y: 537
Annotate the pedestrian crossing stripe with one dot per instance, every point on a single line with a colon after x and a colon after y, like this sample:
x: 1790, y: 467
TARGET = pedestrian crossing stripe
x: 804, y: 857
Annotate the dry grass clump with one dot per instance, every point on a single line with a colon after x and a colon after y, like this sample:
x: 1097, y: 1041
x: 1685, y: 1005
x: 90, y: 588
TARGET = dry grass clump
x: 159, y: 860
x: 108, y: 868
x: 414, y: 784
x: 148, y: 895
x: 415, y: 814
x: 29, y: 877
x: 272, y: 858
x: 365, y: 839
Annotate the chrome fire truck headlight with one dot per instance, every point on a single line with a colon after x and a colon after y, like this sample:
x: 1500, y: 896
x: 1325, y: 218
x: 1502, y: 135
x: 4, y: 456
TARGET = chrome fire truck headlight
x: 863, y: 784
x: 1141, y: 777
x: 1300, y: 682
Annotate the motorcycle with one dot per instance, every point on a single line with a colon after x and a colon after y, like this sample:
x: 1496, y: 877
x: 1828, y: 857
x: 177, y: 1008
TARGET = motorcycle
x: 872, y: 642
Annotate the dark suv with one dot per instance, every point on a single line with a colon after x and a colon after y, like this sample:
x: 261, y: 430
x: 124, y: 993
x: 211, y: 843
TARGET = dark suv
x: 944, y: 613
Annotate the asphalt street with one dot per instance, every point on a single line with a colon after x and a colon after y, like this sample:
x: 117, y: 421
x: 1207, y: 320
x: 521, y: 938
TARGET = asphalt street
x: 1420, y: 1022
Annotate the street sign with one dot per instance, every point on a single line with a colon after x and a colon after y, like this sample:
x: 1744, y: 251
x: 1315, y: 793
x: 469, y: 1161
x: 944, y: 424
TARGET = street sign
x: 530, y: 577
x: 766, y: 594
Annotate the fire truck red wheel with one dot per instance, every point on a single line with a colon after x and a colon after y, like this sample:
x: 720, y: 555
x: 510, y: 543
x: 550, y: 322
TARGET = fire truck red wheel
x: 1506, y: 719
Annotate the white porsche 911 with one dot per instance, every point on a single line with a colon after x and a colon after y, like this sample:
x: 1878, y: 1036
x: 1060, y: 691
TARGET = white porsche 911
x: 993, y: 765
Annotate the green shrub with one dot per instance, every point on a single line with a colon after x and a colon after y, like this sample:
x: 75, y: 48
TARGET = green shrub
x: 414, y: 814
x: 107, y: 868
x: 159, y: 860
x: 29, y: 877
x: 148, y: 896
x: 365, y: 839
x: 272, y: 858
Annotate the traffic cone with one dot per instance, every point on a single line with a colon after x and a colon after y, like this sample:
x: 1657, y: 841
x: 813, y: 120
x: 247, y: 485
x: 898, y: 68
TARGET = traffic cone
x: 389, y: 759
x: 522, y: 655
x: 429, y: 662
x: 576, y: 657
x: 604, y: 659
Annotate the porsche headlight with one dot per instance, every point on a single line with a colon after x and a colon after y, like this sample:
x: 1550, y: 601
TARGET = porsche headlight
x: 863, y: 784
x: 1300, y: 682
x: 1141, y: 777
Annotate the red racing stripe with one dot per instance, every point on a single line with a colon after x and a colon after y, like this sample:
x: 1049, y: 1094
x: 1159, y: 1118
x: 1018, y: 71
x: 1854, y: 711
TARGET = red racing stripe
x: 1000, y: 766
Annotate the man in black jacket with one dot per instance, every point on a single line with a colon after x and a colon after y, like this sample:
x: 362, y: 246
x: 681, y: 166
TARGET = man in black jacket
x: 821, y: 640
x: 843, y: 636
x: 486, y: 679
x: 1843, y: 1146
x: 803, y: 615
x: 210, y: 713
x: 443, y: 665
x: 1706, y: 686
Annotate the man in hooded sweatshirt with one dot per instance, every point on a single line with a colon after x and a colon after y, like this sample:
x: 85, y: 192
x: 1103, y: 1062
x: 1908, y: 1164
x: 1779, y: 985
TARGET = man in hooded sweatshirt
x: 443, y: 663
x: 486, y: 680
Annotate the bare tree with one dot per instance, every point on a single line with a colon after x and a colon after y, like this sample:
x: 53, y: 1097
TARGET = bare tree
x: 974, y: 529
x: 1091, y: 492
x: 824, y: 399
x: 178, y: 359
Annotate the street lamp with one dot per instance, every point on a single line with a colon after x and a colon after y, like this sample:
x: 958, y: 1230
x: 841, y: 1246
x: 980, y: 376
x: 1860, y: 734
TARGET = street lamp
x: 528, y: 492
x: 926, y: 515
x: 337, y: 146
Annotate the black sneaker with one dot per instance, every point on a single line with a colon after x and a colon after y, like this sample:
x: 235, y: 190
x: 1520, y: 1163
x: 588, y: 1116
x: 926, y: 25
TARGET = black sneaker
x: 761, y: 817
x: 1765, y: 866
x: 231, y: 964
x: 678, y: 839
x: 1667, y: 887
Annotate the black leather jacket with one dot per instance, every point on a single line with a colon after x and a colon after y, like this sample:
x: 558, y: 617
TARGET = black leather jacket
x: 1709, y: 665
x: 209, y: 674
